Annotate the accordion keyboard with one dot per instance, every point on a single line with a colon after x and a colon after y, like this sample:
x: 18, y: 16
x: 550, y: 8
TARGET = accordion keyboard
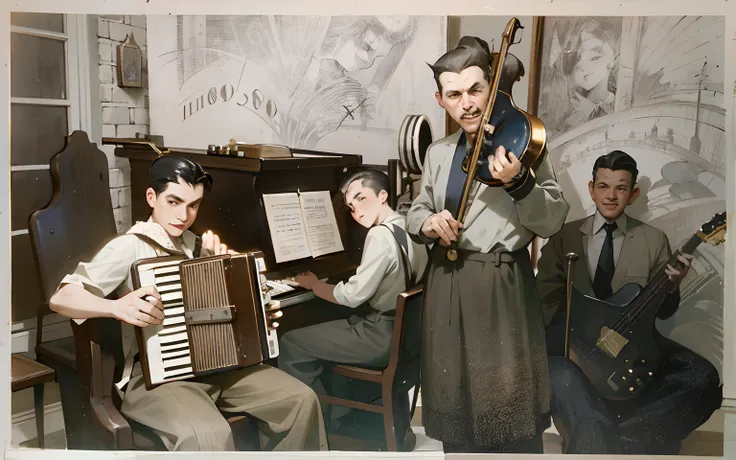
x: 167, y: 343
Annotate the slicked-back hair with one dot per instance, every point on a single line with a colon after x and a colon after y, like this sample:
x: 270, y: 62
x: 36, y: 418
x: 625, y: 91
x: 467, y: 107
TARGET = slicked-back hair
x: 169, y: 168
x: 616, y: 161
x: 370, y: 178
x: 470, y: 51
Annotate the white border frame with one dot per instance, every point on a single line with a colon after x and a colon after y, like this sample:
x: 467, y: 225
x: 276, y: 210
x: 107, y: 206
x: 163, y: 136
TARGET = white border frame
x: 427, y: 7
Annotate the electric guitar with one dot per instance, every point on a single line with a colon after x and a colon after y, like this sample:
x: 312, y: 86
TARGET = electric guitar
x: 612, y: 341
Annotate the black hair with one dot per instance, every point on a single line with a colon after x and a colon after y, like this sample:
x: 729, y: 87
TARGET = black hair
x: 615, y: 161
x: 370, y: 178
x: 169, y: 168
x: 470, y: 51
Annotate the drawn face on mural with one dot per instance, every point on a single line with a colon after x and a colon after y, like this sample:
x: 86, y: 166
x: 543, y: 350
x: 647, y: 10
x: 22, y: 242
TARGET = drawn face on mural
x: 612, y: 192
x: 359, y: 52
x: 365, y: 206
x: 464, y: 96
x: 595, y: 60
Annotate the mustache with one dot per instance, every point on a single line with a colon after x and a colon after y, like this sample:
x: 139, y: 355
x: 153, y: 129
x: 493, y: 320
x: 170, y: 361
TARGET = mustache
x: 470, y: 114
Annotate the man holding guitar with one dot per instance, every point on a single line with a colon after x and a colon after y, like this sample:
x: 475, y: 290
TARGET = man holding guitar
x: 610, y: 397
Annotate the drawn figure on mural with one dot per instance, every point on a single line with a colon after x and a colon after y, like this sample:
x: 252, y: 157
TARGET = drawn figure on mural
x: 580, y: 61
x: 335, y: 88
x: 321, y: 72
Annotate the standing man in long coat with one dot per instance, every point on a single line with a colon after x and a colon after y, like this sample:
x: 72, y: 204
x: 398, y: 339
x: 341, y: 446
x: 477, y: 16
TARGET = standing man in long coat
x: 485, y: 383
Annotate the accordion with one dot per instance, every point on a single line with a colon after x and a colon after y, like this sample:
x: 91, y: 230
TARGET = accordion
x: 217, y: 316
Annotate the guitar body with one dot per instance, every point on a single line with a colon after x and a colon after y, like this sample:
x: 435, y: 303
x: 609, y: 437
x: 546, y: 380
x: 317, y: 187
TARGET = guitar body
x: 618, y: 365
x: 613, y: 341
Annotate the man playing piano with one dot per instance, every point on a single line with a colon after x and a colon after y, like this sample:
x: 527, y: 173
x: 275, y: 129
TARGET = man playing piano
x: 485, y: 384
x: 391, y: 263
x: 186, y: 414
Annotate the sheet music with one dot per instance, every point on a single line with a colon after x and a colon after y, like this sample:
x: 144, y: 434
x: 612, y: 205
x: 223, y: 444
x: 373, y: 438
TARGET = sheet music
x: 319, y: 217
x: 284, y: 215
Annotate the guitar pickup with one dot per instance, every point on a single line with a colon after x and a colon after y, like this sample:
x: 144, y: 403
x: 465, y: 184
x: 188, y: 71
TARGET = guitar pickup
x: 611, y: 342
x: 209, y: 316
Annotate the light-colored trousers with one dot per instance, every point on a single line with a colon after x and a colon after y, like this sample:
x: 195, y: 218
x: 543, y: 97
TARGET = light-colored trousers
x: 188, y: 414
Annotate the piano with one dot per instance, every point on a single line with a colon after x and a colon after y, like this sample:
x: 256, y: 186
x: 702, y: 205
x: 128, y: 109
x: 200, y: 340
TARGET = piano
x: 234, y: 210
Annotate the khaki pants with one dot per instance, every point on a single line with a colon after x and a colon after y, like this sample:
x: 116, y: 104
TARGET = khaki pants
x: 187, y: 414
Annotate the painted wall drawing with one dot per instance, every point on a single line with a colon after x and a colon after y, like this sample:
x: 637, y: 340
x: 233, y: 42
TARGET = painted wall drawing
x: 653, y: 87
x: 340, y: 83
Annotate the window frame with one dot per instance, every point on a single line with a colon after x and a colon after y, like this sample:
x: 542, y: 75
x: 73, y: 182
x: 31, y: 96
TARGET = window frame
x: 79, y: 60
x: 78, y: 86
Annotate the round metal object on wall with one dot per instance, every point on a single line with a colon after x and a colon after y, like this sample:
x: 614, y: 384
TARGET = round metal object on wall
x: 415, y: 136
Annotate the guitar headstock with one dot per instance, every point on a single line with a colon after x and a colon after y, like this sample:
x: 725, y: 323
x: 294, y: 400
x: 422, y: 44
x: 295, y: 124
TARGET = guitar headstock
x: 714, y: 231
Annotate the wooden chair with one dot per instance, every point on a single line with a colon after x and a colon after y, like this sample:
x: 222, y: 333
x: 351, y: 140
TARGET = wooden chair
x: 27, y: 373
x: 76, y: 223
x: 72, y: 227
x: 398, y: 377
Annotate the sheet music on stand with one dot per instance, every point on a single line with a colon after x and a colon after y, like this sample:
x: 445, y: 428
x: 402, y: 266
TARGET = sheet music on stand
x: 302, y: 225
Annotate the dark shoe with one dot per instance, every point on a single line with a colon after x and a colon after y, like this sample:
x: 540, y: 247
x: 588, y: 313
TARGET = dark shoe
x: 410, y: 441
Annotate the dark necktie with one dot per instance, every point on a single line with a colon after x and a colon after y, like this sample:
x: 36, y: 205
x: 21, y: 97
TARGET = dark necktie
x: 604, y: 270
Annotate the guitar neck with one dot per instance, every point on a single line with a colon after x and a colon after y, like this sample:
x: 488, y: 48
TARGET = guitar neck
x: 713, y: 232
x: 660, y: 283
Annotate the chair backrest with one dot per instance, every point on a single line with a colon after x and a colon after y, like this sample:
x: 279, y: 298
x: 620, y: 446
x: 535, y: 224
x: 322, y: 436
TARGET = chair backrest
x: 79, y: 219
x: 407, y: 328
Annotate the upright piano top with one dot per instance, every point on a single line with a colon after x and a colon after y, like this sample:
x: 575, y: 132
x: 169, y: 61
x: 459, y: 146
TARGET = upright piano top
x: 238, y: 214
x: 136, y: 149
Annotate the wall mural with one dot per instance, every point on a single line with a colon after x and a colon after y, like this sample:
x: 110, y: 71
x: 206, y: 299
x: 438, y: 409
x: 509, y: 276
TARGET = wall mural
x: 333, y: 83
x: 653, y: 87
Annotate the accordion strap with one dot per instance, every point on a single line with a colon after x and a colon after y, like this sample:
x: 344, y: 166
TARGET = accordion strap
x: 160, y: 252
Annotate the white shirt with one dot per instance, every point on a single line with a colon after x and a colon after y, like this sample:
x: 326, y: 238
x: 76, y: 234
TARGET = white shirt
x: 109, y: 272
x: 595, y: 243
x: 380, y: 277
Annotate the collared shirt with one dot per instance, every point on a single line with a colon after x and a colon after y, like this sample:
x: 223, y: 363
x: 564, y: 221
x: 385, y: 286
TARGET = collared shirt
x: 380, y: 277
x: 496, y: 219
x: 109, y: 272
x: 595, y: 242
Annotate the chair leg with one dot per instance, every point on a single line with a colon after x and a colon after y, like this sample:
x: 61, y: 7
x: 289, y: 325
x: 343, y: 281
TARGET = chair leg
x: 38, y: 406
x: 79, y: 426
x: 388, y: 417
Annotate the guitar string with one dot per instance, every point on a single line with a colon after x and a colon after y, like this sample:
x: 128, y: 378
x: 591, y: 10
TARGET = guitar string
x: 634, y: 312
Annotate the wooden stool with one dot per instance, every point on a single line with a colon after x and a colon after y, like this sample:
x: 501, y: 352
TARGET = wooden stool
x: 26, y: 373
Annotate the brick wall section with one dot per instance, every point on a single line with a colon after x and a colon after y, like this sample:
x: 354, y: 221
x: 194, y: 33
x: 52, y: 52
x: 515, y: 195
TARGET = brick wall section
x: 124, y: 110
